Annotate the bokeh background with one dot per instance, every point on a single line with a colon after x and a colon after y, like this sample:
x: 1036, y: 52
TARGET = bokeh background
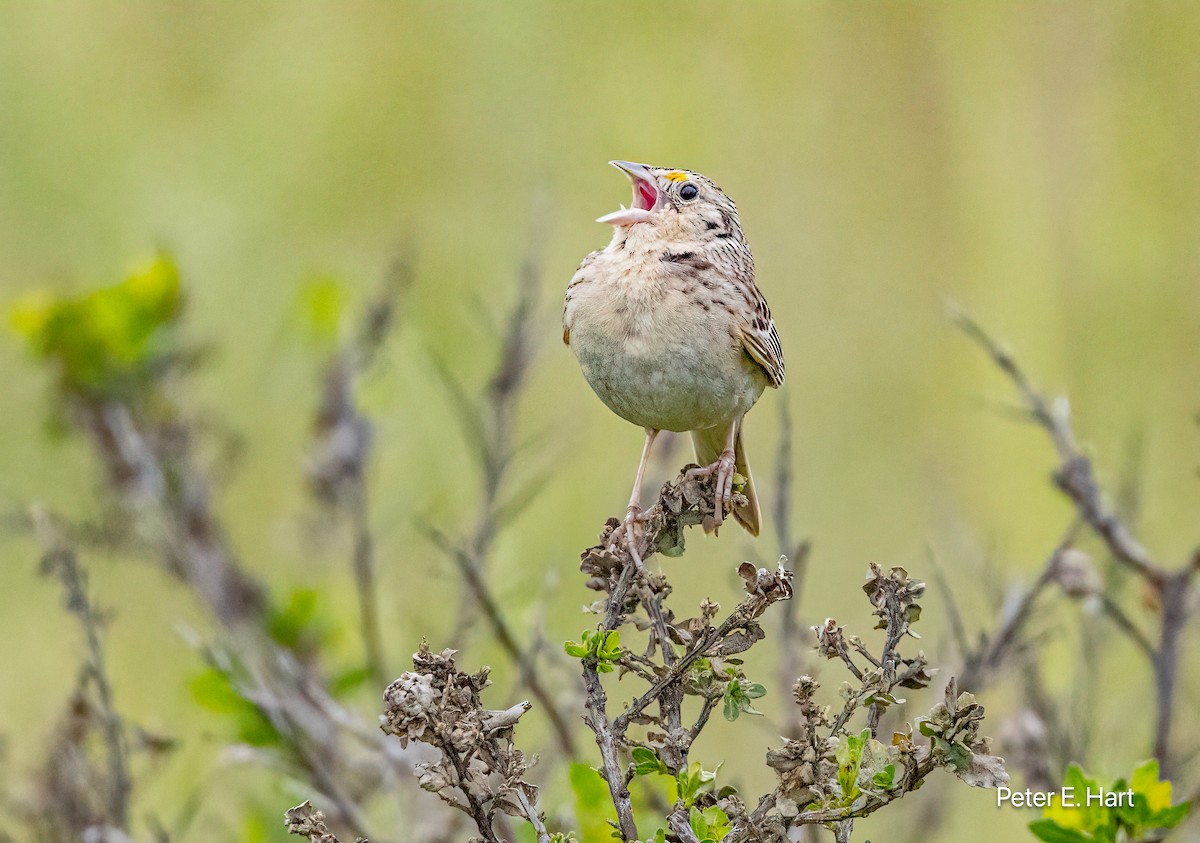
x: 1035, y: 163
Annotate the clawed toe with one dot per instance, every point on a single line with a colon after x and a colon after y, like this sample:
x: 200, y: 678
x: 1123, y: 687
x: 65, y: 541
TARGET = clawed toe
x: 626, y: 533
x: 724, y: 469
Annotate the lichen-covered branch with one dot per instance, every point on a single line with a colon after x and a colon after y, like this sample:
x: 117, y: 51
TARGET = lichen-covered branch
x: 479, y: 771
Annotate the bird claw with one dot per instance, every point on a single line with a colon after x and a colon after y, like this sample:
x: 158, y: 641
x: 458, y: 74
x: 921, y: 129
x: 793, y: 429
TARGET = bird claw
x: 626, y: 533
x: 724, y: 468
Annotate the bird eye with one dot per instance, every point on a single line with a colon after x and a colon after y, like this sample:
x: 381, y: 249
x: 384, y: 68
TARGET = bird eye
x: 688, y: 192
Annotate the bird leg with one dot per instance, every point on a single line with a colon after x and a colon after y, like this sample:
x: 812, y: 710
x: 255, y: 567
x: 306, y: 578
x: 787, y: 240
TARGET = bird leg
x: 724, y: 468
x: 633, y: 514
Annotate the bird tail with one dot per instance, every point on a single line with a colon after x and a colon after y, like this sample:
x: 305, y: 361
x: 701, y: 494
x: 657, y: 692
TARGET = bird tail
x: 709, y: 444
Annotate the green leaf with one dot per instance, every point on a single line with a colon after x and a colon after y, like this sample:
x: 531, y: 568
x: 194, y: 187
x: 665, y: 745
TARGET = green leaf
x: 646, y: 762
x: 1051, y: 832
x: 1169, y: 817
x: 716, y: 821
x: 1145, y: 782
x: 753, y: 690
x: 609, y: 645
x: 733, y: 708
x: 105, y: 339
x: 297, y: 622
x: 603, y: 647
x: 956, y: 753
x: 212, y: 690
x: 1081, y: 816
x: 1152, y: 801
x: 848, y: 754
x: 885, y: 777
x: 592, y: 806
x: 694, y: 780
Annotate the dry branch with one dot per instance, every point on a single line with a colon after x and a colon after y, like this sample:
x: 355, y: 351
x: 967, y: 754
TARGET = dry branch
x: 1075, y: 477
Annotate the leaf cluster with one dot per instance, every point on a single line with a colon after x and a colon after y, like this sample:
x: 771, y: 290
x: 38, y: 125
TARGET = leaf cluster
x: 109, y: 341
x: 602, y: 647
x: 1096, y: 822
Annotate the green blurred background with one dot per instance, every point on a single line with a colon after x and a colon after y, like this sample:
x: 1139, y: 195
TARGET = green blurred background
x: 1035, y: 162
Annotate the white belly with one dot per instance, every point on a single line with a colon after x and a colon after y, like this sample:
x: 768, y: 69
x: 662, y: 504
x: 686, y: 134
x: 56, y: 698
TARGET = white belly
x: 666, y: 364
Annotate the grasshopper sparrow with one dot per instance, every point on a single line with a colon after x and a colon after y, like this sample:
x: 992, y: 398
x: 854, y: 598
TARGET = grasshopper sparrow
x: 670, y: 330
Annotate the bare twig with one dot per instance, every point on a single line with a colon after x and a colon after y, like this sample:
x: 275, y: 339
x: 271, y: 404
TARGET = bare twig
x: 151, y: 464
x: 981, y: 666
x: 1176, y: 597
x: 796, y: 552
x: 1076, y: 478
x: 505, y: 636
x: 957, y: 628
x: 1123, y: 622
x: 490, y: 427
x: 534, y: 816
x: 342, y: 448
x: 596, y: 712
x: 60, y: 560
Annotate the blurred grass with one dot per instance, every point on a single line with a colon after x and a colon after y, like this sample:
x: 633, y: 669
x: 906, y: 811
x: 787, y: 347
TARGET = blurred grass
x: 1034, y: 162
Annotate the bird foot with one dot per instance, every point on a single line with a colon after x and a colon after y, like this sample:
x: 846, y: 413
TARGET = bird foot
x: 724, y: 469
x: 626, y: 534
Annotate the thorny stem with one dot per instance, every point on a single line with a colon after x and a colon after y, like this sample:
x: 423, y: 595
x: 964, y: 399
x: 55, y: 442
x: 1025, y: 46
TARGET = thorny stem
x: 597, y: 719
x: 678, y: 821
x: 168, y: 498
x: 744, y: 832
x: 797, y: 553
x: 706, y: 710
x: 344, y: 447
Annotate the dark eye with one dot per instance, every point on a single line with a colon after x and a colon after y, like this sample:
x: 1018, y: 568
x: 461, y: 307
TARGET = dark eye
x: 688, y: 192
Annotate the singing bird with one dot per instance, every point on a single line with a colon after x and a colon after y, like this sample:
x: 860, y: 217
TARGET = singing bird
x: 671, y: 331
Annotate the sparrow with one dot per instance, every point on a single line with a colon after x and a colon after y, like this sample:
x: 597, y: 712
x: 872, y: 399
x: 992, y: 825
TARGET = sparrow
x: 671, y: 332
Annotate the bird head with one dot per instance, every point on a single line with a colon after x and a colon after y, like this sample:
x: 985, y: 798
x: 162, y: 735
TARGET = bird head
x: 677, y: 199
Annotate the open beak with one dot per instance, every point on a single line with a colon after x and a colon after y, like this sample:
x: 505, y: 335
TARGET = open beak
x: 646, y: 195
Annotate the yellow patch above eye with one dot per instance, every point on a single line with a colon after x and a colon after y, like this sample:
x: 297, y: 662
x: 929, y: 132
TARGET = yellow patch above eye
x: 676, y: 175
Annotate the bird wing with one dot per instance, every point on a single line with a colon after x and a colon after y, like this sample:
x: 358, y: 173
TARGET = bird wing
x: 760, y: 338
x: 579, y: 278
